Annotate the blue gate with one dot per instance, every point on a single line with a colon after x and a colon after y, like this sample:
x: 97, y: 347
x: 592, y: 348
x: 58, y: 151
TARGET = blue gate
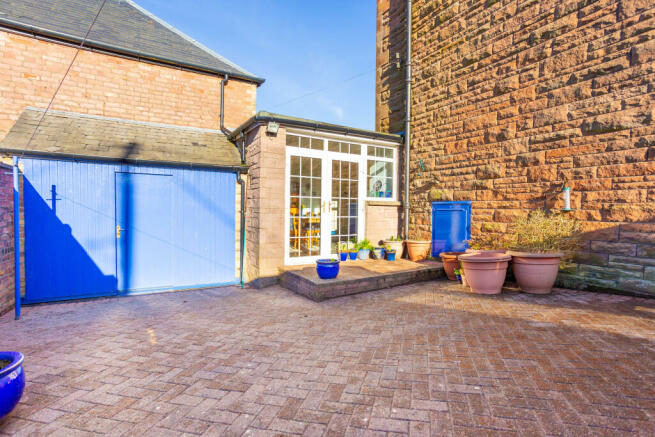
x: 97, y: 229
x: 451, y: 226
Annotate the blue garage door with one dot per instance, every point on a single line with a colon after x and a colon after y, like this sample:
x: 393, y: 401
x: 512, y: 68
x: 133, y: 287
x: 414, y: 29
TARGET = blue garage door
x: 97, y: 229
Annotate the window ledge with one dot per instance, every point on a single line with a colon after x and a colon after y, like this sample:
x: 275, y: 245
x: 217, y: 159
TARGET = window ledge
x: 383, y: 203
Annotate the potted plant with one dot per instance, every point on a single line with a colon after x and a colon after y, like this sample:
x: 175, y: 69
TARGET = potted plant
x: 344, y: 249
x: 485, y: 272
x: 391, y: 253
x: 12, y: 381
x: 365, y: 248
x: 352, y: 253
x: 378, y: 252
x: 487, y: 242
x: 417, y: 250
x: 327, y: 268
x: 394, y: 243
x: 450, y: 263
x: 540, y: 239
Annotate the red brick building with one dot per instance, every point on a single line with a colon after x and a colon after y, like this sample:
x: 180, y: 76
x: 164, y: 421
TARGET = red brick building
x: 512, y: 100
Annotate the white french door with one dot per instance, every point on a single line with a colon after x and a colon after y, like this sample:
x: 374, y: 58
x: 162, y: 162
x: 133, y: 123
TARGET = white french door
x: 324, y: 203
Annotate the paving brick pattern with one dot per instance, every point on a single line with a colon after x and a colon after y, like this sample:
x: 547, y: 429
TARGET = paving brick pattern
x: 422, y: 359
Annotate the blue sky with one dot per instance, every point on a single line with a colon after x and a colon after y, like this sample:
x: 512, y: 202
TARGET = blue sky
x: 298, y: 46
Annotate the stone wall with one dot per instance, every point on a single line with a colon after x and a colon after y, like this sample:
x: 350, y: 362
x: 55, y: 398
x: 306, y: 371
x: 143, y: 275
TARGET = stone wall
x: 265, y: 154
x: 513, y: 99
x: 6, y: 239
x: 112, y: 86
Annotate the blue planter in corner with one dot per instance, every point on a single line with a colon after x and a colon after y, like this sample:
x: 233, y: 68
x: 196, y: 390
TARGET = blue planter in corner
x: 327, y: 268
x: 12, y: 382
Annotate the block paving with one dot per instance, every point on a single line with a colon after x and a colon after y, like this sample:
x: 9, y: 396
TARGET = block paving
x: 420, y: 359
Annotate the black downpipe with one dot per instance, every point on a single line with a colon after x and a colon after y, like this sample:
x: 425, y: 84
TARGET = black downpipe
x: 408, y: 112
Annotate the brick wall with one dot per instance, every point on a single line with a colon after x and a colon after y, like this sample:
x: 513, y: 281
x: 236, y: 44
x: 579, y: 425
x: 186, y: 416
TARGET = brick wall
x: 514, y: 98
x: 382, y: 221
x: 265, y: 232
x: 6, y: 239
x: 111, y: 86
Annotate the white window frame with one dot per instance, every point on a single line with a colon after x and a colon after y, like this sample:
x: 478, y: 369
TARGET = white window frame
x: 394, y: 180
x: 326, y: 186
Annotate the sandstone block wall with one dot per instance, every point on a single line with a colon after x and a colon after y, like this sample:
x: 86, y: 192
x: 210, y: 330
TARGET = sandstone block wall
x: 513, y: 99
x: 6, y: 239
x: 99, y: 84
x: 265, y: 232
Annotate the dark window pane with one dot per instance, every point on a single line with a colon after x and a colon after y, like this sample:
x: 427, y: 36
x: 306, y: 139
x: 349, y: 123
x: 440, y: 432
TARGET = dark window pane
x: 355, y: 149
x: 292, y: 140
x: 317, y: 144
x: 388, y: 153
x: 295, y: 165
x: 306, y: 166
x: 354, y: 189
x: 304, y: 142
x: 294, y: 186
x: 305, y: 187
x: 316, y: 167
x: 316, y: 188
x: 333, y: 146
x: 294, y: 204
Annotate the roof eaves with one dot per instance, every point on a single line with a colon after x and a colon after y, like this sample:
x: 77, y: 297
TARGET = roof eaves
x: 36, y: 30
x: 264, y: 117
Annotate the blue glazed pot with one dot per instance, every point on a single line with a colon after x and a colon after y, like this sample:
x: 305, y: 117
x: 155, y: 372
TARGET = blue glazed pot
x: 363, y: 253
x: 343, y: 256
x: 352, y: 255
x: 378, y: 252
x: 12, y: 382
x: 327, y: 268
x: 391, y: 255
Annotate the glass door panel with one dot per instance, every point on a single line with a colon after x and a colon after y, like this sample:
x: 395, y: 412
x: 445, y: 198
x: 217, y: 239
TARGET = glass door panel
x: 344, y: 203
x: 305, y: 190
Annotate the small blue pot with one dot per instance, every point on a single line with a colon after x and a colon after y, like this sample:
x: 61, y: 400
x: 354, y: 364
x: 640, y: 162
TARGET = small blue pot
x: 363, y: 253
x: 352, y: 255
x: 327, y: 268
x: 378, y: 252
x: 12, y: 382
x: 391, y: 255
x: 343, y: 256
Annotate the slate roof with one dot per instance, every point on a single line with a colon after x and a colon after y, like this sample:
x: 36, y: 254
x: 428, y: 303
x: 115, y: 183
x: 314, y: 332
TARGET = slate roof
x: 122, y: 26
x: 72, y: 135
x: 265, y: 116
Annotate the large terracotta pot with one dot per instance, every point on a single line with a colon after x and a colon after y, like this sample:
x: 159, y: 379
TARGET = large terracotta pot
x: 450, y: 263
x: 535, y: 272
x: 485, y: 251
x: 485, y: 272
x: 418, y: 250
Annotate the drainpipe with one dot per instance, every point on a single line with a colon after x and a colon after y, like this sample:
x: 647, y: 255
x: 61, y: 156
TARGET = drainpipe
x: 242, y: 252
x: 240, y: 181
x: 223, y: 128
x: 16, y: 240
x: 408, y: 111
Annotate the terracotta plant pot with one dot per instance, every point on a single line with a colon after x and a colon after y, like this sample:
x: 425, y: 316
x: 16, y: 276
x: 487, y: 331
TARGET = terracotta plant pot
x: 535, y: 272
x: 485, y: 272
x: 450, y: 263
x: 485, y: 251
x: 418, y: 250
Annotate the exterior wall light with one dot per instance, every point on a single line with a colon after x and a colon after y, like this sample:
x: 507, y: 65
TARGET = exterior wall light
x: 272, y: 127
x: 567, y: 199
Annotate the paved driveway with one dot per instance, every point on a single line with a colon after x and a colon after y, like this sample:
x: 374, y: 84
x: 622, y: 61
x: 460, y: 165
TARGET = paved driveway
x: 419, y: 360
